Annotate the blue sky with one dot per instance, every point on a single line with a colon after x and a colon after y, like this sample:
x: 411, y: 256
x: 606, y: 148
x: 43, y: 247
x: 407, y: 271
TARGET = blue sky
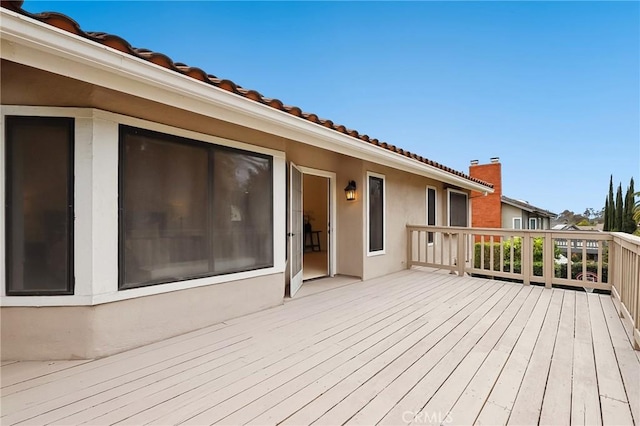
x: 552, y: 88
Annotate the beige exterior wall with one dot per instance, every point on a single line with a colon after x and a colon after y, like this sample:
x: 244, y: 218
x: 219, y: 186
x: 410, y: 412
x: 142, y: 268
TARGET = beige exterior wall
x: 72, y: 332
x: 48, y: 89
x: 348, y: 228
x: 83, y: 332
x: 66, y: 332
x: 508, y: 213
x: 406, y: 198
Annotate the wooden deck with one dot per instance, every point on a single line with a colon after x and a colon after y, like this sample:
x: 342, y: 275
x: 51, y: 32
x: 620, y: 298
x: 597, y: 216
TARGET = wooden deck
x: 414, y: 346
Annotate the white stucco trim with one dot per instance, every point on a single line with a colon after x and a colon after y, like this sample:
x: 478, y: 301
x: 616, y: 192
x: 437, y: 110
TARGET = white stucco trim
x: 96, y: 208
x: 384, y: 216
x: 30, y: 42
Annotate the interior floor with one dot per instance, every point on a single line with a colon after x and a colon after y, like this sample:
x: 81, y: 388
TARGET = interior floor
x: 315, y: 265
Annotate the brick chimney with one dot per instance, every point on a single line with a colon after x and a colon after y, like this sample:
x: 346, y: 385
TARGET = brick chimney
x: 487, y: 210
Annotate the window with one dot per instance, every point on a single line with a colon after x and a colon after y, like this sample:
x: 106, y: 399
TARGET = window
x: 39, y: 205
x: 375, y: 212
x: 533, y: 222
x: 190, y: 209
x: 458, y: 208
x: 517, y: 223
x: 431, y: 210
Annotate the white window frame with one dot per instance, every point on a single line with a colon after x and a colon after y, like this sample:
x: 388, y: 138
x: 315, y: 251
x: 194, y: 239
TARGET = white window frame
x: 534, y: 221
x: 384, y: 215
x: 449, y: 191
x: 519, y: 220
x: 435, y: 207
x: 96, y: 196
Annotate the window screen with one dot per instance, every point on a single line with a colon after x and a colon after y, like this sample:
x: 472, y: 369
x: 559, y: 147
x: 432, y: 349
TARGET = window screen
x: 458, y: 209
x: 431, y: 211
x: 39, y: 205
x: 191, y: 209
x: 376, y: 214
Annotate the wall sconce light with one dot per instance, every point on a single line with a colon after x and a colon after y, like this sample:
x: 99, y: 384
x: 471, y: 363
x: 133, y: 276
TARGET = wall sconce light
x: 350, y: 190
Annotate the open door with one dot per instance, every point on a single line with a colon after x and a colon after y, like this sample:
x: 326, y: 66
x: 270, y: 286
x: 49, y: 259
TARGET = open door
x: 296, y: 234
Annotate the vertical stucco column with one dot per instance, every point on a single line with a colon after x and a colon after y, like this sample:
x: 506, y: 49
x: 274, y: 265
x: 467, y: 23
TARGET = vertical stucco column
x: 96, y: 206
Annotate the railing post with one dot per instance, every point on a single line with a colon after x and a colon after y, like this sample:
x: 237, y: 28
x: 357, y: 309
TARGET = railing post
x: 409, y: 251
x: 461, y: 253
x: 548, y: 264
x: 612, y: 274
x: 527, y: 259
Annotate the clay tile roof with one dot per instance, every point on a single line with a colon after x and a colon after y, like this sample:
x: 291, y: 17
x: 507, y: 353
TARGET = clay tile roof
x: 65, y: 23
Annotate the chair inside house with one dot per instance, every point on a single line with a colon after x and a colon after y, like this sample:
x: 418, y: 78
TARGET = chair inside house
x: 311, y: 237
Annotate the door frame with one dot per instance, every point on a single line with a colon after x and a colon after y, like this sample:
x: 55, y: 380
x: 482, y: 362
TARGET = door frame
x: 332, y: 229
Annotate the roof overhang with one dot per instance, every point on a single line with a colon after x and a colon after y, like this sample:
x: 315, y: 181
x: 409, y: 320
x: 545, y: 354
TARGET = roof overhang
x: 527, y: 207
x: 41, y: 46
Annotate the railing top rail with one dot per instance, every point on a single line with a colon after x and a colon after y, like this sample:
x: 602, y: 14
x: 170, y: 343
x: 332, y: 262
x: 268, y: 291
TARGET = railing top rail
x: 633, y: 239
x: 575, y: 235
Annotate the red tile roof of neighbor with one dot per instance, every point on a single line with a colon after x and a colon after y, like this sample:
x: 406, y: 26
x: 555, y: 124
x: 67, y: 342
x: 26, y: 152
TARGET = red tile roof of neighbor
x: 64, y: 22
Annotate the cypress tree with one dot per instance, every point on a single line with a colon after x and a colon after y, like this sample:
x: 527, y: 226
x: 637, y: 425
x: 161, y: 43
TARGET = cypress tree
x: 619, y: 210
x: 606, y: 226
x: 612, y: 206
x: 628, y: 224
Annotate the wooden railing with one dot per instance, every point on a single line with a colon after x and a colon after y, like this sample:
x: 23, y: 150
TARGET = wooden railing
x: 590, y: 260
x: 625, y: 271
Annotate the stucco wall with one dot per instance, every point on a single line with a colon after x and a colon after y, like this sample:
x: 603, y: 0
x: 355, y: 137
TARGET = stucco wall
x: 67, y: 332
x: 405, y: 204
x: 348, y: 229
x: 83, y: 332
x: 508, y: 213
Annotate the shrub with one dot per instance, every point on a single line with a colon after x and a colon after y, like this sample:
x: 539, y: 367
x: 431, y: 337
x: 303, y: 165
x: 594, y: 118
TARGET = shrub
x: 538, y: 252
x: 560, y: 270
x: 576, y: 269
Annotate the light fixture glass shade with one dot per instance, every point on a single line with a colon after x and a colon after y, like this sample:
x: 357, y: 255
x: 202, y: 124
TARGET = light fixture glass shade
x: 350, y: 190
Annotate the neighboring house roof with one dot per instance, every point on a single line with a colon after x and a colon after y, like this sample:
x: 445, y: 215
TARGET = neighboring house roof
x: 597, y: 227
x: 65, y: 23
x: 565, y: 227
x: 523, y: 205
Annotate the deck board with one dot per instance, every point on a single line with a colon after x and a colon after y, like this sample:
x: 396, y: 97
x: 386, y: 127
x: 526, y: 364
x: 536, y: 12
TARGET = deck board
x: 499, y: 404
x: 437, y: 392
x: 413, y: 347
x: 376, y: 396
x: 556, y: 406
x: 585, y: 402
x: 613, y: 398
x: 470, y: 402
x: 528, y: 404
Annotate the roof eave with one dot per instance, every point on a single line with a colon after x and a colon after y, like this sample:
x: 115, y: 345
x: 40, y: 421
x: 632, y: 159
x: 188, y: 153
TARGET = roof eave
x: 528, y: 208
x: 32, y: 43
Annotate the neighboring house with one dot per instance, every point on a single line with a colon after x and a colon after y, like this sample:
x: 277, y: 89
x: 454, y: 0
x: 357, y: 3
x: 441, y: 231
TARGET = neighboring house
x: 591, y: 248
x: 565, y: 227
x: 599, y: 227
x: 495, y: 210
x: 146, y: 198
